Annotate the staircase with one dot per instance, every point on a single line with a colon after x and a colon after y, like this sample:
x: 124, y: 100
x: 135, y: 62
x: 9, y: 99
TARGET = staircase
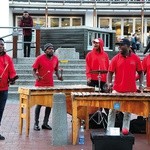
x: 73, y: 74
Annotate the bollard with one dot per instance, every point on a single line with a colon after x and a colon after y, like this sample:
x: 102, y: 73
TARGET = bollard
x: 59, y: 120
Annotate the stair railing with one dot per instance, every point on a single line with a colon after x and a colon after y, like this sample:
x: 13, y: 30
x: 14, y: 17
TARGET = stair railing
x: 14, y: 36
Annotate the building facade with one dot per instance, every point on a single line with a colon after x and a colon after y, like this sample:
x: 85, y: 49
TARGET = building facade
x: 124, y: 16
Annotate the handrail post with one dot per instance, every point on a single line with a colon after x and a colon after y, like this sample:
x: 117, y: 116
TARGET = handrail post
x: 15, y: 40
x: 38, y: 40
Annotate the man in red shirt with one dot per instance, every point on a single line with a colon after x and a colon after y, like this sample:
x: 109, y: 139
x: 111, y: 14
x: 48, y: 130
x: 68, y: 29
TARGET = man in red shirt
x: 125, y: 65
x: 97, y: 63
x: 7, y: 76
x: 27, y: 21
x: 97, y: 60
x: 44, y: 67
x: 146, y: 68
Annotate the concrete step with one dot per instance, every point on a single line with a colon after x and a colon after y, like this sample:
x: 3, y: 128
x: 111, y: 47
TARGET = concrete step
x: 65, y: 77
x: 63, y: 66
x: 32, y: 59
x: 65, y: 71
x: 57, y: 82
x: 13, y: 90
x: 73, y: 74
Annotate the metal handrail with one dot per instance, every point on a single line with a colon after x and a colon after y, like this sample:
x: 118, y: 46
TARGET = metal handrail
x: 81, y: 1
x: 15, y: 33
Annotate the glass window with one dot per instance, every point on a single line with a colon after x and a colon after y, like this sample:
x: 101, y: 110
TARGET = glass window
x: 90, y: 38
x: 104, y: 23
x: 148, y: 31
x: 138, y: 26
x: 18, y: 18
x: 42, y: 22
x: 65, y: 22
x: 54, y: 22
x: 148, y: 25
x: 107, y: 40
x: 116, y: 25
x: 76, y: 21
x: 35, y: 21
x: 128, y: 27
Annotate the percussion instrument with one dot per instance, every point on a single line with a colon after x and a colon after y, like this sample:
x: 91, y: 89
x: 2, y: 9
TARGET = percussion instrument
x: 146, y: 89
x: 3, y: 72
x: 138, y: 103
x: 45, y: 74
x: 31, y: 95
x: 99, y: 71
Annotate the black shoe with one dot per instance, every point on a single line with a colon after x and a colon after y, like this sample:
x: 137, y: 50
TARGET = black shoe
x: 36, y: 128
x: 46, y: 126
x: 2, y: 137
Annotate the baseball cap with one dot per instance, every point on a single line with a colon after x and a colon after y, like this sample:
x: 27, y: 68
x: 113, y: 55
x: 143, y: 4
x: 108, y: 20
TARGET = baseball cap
x: 48, y: 45
x: 1, y: 41
x: 124, y: 41
x: 96, y: 40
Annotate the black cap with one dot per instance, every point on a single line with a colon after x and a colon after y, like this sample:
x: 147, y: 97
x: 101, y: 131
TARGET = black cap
x: 46, y: 46
x: 25, y: 12
x: 123, y: 42
x: 1, y: 41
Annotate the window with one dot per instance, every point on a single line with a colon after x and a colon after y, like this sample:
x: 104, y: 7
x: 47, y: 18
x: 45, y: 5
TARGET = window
x: 65, y: 22
x: 128, y: 27
x: 104, y: 23
x: 138, y: 26
x: 76, y: 21
x: 54, y: 22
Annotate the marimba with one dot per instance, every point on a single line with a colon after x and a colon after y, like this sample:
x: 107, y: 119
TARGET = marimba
x: 138, y: 103
x: 31, y: 95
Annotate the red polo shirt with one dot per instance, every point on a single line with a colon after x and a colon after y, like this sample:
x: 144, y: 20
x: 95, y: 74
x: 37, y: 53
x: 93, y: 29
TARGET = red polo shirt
x: 146, y: 68
x: 45, y: 68
x: 7, y: 71
x: 125, y: 72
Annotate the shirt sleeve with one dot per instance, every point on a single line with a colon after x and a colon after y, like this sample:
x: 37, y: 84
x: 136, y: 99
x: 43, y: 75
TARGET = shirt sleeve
x: 88, y: 74
x: 144, y: 64
x: 11, y: 68
x: 139, y: 65
x: 112, y: 65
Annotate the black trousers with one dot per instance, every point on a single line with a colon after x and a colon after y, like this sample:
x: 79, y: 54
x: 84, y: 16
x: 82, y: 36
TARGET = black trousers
x: 95, y: 83
x: 27, y: 45
x: 37, y: 114
x: 3, y: 99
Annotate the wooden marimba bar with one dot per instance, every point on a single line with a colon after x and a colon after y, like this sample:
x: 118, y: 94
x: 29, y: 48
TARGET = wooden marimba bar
x: 31, y: 95
x: 138, y: 103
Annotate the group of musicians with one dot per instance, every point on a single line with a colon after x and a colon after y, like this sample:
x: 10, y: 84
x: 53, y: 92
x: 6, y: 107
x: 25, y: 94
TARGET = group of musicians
x: 126, y: 68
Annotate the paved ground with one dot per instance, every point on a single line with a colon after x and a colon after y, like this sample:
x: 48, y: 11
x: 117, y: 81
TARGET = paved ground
x: 42, y: 140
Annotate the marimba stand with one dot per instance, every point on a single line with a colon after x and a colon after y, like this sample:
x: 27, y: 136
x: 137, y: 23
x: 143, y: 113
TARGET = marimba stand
x: 99, y: 113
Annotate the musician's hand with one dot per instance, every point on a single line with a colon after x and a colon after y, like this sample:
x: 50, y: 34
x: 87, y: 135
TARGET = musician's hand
x: 88, y: 80
x: 12, y: 80
x: 38, y: 77
x: 141, y: 88
x: 60, y: 78
x: 109, y: 87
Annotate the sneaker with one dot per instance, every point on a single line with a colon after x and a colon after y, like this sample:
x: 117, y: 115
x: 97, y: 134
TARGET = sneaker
x: 36, y: 128
x: 2, y: 137
x: 46, y: 126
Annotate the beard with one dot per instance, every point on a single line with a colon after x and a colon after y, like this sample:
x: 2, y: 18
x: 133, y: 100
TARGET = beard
x: 50, y: 54
x: 123, y: 51
x: 1, y: 51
